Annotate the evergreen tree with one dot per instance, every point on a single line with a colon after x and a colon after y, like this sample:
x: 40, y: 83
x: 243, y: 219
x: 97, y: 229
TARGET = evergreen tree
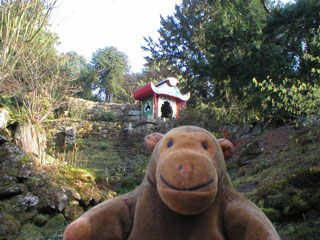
x: 109, y: 65
x: 82, y: 73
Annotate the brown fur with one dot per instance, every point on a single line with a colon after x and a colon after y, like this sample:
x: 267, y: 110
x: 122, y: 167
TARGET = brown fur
x: 186, y: 194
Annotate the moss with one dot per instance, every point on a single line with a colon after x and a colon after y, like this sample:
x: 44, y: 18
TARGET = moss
x: 53, y: 229
x: 84, y: 175
x: 89, y: 193
x: 25, y: 159
x: 9, y: 226
x: 30, y: 232
x: 41, y: 219
x: 73, y: 210
x: 272, y: 213
x: 127, y: 184
x: 293, y: 195
x: 309, y: 230
x: 4, y: 152
x: 56, y: 223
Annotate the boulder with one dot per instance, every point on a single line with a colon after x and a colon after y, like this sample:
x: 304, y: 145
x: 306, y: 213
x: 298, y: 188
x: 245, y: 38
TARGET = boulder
x: 12, y: 189
x: 3, y: 139
x: 28, y: 201
x: 70, y: 135
x: 5, y: 178
x: 243, y: 131
x: 10, y: 155
x: 31, y: 139
x: 257, y: 130
x: 4, y: 118
x: 62, y: 200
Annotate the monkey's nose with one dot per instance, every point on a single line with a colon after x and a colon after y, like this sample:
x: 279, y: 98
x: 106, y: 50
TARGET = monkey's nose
x: 186, y: 168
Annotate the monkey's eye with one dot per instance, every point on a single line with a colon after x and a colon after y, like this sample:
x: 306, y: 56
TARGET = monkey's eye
x: 170, y: 143
x: 204, y: 145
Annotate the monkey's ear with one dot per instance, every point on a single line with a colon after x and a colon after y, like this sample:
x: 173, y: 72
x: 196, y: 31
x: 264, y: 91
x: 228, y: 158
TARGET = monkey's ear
x: 152, y: 139
x: 227, y: 147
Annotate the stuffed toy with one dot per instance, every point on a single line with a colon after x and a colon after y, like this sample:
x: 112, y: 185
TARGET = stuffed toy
x: 186, y: 194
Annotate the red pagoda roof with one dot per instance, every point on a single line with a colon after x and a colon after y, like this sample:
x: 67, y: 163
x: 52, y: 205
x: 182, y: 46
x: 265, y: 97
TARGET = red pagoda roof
x: 167, y: 87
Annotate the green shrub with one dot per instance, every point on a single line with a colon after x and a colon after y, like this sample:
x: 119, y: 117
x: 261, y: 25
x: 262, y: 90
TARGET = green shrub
x: 295, y: 97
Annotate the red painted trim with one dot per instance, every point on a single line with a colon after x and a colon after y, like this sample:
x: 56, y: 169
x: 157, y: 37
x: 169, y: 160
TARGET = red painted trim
x: 143, y: 92
x: 155, y: 101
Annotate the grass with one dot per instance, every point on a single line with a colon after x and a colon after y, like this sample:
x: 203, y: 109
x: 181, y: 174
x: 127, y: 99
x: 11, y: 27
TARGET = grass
x: 281, y: 182
x: 286, y: 185
x: 121, y: 160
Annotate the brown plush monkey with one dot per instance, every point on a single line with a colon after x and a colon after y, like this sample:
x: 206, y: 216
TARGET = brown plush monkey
x: 186, y: 194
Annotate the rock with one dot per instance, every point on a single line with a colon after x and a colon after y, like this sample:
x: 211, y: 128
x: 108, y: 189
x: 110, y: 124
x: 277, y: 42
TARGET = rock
x: 3, y: 139
x: 134, y: 113
x: 129, y: 127
x: 5, y: 178
x: 12, y: 189
x: 257, y: 129
x: 10, y: 155
x: 47, y: 197
x: 62, y: 200
x: 59, y: 137
x: 252, y: 150
x: 244, y: 130
x: 90, y: 194
x: 23, y: 174
x: 28, y: 201
x: 31, y: 139
x: 73, y: 194
x: 70, y: 135
x: 4, y: 118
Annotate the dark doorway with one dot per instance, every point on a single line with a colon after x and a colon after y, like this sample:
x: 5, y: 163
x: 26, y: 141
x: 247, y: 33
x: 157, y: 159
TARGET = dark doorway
x: 166, y: 110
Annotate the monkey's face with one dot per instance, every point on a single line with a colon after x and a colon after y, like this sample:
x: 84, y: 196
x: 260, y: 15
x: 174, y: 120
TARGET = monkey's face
x: 186, y: 172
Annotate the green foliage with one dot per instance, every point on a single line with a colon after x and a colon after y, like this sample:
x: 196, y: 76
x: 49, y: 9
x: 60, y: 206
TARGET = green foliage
x: 309, y: 230
x: 132, y: 82
x: 41, y: 81
x: 38, y: 78
x: 213, y: 44
x: 76, y: 110
x: 109, y: 65
x: 296, y: 98
x: 83, y: 75
x: 218, y: 47
x: 102, y: 115
x: 21, y: 22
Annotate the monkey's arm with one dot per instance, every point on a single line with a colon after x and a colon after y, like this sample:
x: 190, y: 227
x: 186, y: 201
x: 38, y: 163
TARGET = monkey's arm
x: 111, y: 219
x: 245, y: 221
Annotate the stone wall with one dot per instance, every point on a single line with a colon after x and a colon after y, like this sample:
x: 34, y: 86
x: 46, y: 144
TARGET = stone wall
x: 99, y: 111
x: 128, y: 116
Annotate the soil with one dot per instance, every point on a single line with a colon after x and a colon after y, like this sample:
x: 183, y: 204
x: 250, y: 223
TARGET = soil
x: 272, y: 140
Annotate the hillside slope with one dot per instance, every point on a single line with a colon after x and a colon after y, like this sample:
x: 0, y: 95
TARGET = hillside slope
x: 280, y: 172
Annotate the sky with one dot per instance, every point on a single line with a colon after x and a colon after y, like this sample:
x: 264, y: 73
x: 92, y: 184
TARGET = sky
x: 85, y: 26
